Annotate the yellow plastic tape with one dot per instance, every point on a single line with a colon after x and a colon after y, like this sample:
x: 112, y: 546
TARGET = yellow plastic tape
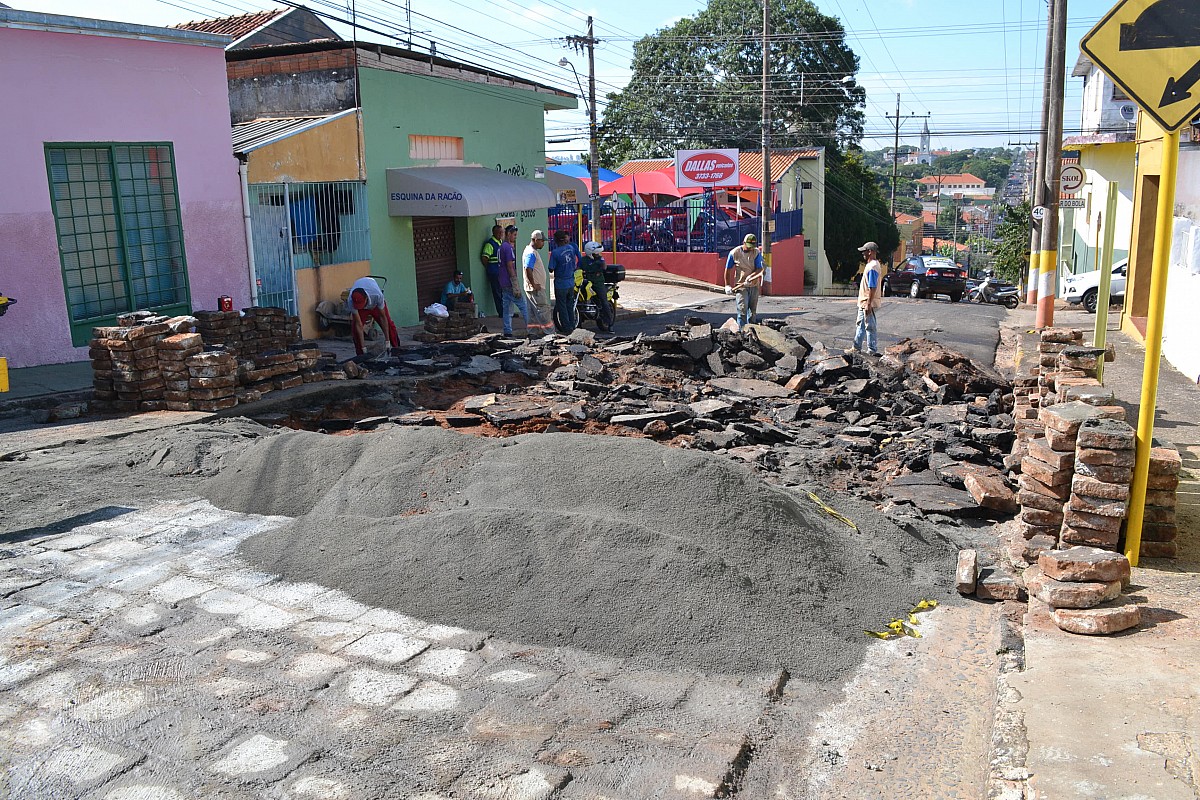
x: 905, y: 627
x: 3, y: 374
x: 824, y: 507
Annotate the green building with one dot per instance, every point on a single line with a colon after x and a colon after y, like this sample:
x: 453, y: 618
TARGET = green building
x: 383, y: 161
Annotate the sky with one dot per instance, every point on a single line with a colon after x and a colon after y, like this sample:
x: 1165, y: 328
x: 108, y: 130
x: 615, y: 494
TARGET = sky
x: 974, y: 67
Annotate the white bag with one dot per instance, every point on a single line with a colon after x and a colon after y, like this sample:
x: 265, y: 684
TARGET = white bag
x: 436, y: 310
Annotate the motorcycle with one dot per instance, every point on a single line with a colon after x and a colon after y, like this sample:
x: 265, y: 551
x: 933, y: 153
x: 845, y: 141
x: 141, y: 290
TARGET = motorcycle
x: 586, y: 307
x: 991, y: 290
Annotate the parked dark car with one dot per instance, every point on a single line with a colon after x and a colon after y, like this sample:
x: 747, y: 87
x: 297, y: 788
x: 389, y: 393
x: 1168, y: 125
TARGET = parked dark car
x: 925, y: 276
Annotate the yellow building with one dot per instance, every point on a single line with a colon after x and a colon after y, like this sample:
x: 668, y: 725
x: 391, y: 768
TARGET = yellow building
x: 1180, y: 326
x: 300, y: 170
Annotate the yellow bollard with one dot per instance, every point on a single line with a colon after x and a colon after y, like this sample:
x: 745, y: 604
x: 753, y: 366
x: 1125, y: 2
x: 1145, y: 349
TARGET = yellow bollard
x: 3, y: 374
x: 1100, y: 335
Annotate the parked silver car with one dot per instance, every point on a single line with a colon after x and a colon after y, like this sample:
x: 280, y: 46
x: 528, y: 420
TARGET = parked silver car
x: 1085, y: 287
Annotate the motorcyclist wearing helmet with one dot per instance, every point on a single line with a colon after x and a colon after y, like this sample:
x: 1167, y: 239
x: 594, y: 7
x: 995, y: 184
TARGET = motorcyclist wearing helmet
x: 592, y: 265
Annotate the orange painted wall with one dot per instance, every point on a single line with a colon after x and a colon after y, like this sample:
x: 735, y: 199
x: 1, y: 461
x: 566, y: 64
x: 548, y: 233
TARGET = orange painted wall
x: 328, y: 152
x: 324, y: 283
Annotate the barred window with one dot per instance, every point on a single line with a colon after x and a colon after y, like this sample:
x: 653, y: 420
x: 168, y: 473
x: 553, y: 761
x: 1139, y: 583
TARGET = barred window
x: 119, y: 234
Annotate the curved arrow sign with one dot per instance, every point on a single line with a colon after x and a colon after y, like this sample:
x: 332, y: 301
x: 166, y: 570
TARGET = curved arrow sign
x: 1151, y: 49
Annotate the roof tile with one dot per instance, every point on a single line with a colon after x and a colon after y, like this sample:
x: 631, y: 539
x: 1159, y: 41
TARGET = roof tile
x: 237, y: 27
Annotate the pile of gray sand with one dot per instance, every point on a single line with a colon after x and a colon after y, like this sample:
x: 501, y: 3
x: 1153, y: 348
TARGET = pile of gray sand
x: 613, y: 545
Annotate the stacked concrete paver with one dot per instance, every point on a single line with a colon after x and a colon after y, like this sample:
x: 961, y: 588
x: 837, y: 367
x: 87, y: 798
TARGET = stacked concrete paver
x: 125, y: 370
x: 173, y: 354
x: 1082, y: 586
x: 153, y: 363
x: 460, y: 324
x: 212, y: 379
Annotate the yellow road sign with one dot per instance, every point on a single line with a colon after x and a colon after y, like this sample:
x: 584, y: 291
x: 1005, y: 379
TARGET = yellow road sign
x: 1151, y: 49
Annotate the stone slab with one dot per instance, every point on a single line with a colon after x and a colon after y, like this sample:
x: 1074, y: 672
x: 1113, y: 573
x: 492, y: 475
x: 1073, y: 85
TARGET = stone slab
x: 1068, y: 594
x: 1100, y: 621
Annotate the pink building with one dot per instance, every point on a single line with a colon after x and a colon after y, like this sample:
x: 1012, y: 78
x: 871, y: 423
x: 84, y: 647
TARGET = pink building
x: 120, y: 189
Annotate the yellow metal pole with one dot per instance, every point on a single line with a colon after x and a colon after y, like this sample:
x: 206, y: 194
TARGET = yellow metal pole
x: 1163, y: 225
x: 1100, y: 336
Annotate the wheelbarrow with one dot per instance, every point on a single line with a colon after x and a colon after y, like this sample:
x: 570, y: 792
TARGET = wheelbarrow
x: 335, y: 316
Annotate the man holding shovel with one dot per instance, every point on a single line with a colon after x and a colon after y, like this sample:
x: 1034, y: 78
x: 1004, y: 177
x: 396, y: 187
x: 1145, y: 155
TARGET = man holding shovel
x: 744, y: 275
x: 869, y: 299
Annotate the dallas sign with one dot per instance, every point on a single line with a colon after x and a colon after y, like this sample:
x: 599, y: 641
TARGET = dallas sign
x: 706, y: 168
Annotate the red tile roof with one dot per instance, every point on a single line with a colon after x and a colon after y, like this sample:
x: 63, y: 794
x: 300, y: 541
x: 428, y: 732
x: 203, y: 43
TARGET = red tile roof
x: 942, y: 180
x: 639, y: 165
x: 905, y: 219
x: 927, y: 243
x: 750, y: 163
x: 237, y: 27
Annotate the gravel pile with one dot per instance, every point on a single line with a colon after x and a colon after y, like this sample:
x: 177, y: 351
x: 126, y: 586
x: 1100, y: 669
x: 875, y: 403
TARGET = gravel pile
x: 611, y: 545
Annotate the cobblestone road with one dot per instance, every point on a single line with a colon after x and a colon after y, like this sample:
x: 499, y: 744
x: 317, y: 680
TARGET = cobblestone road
x: 141, y: 660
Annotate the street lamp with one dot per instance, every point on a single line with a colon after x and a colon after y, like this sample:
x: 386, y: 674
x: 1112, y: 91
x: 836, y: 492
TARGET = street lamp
x: 593, y: 149
x: 563, y: 62
x: 845, y: 80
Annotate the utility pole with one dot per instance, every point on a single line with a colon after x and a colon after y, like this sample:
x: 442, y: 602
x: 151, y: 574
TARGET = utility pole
x: 1048, y: 277
x: 896, y: 150
x: 768, y: 204
x: 1039, y: 190
x: 937, y: 211
x: 580, y: 43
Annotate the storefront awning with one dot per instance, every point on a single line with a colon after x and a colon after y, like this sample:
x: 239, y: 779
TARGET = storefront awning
x: 461, y: 192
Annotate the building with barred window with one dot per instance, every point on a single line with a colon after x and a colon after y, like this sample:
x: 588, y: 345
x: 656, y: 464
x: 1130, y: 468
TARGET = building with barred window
x: 117, y: 195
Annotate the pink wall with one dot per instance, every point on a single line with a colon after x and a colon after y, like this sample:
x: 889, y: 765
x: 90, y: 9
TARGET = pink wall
x: 87, y: 88
x: 787, y: 265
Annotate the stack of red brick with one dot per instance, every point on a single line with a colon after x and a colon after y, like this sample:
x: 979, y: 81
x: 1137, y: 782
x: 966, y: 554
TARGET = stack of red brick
x: 173, y: 354
x: 212, y: 378
x: 1082, y: 586
x: 250, y: 331
x: 126, y: 374
x: 1159, y: 529
x: 1104, y: 458
x: 154, y: 364
x: 1076, y: 459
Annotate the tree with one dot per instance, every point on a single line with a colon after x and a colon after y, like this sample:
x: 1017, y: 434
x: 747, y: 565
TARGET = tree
x: 908, y: 205
x: 948, y: 216
x: 698, y: 84
x: 855, y: 212
x: 1012, y: 247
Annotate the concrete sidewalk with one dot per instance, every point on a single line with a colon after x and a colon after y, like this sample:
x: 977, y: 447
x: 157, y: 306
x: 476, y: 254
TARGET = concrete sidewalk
x: 1119, y: 716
